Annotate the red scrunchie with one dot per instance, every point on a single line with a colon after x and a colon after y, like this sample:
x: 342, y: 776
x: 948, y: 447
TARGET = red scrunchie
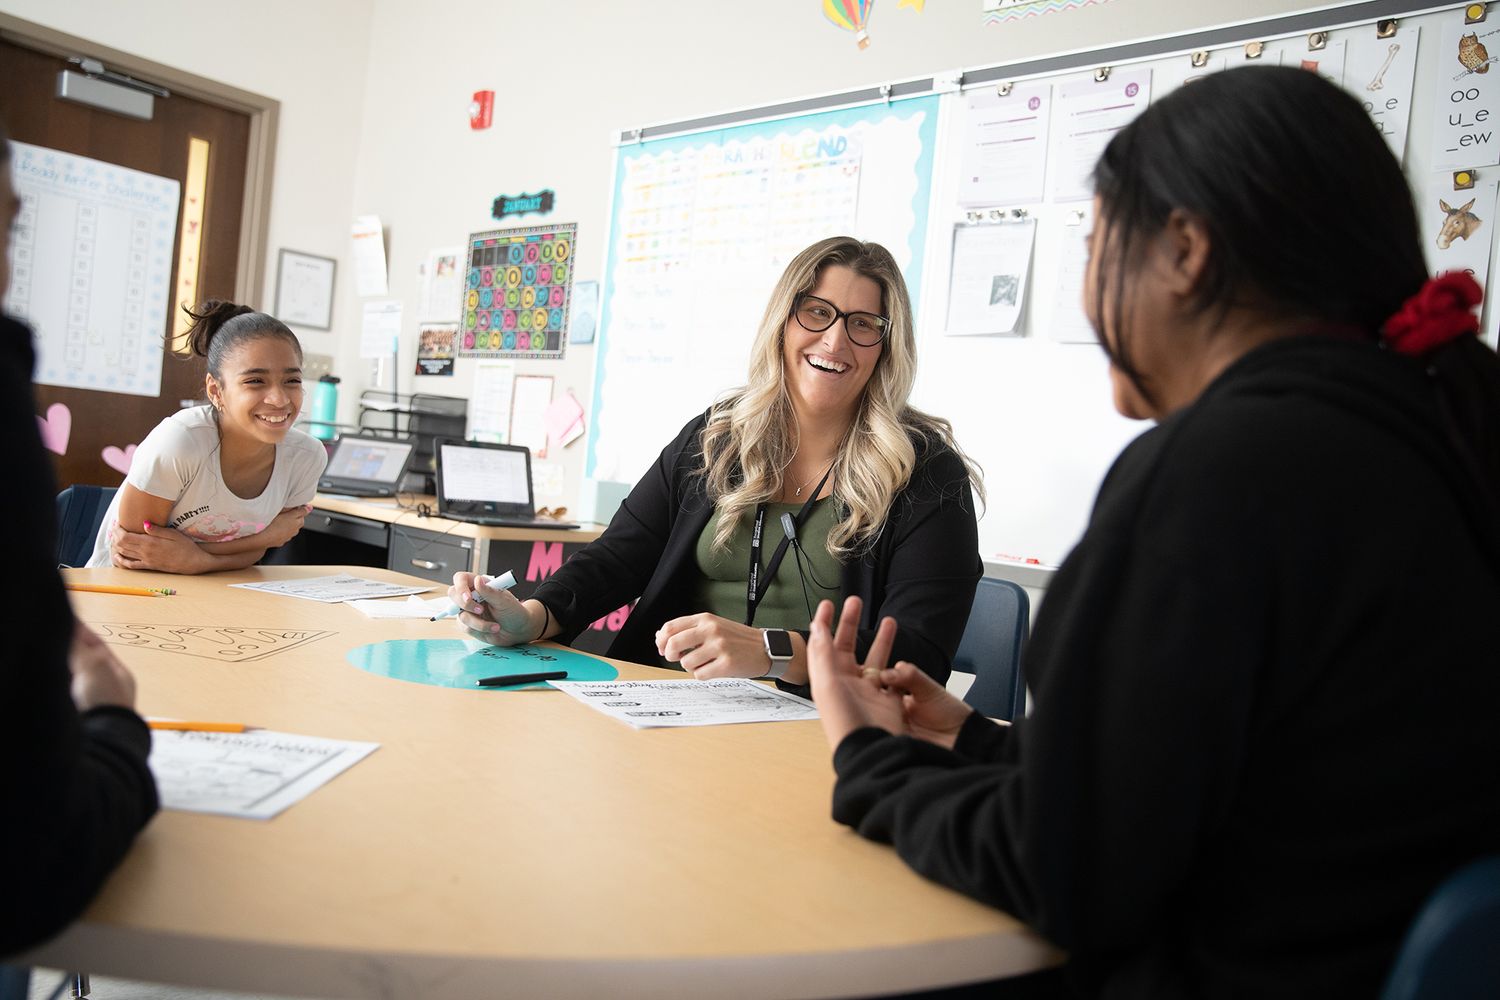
x: 1442, y: 310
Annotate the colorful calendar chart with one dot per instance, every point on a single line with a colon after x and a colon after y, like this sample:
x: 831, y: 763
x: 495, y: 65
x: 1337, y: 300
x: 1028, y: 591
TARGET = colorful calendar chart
x: 516, y: 292
x: 93, y: 266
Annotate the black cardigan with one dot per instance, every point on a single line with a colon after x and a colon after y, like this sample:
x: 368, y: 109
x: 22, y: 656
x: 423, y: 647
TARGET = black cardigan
x: 923, y: 568
x: 75, y: 788
x: 1266, y: 693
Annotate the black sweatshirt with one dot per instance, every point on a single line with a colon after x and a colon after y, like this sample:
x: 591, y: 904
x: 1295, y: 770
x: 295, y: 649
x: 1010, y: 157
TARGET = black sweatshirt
x: 75, y: 788
x: 1266, y: 690
x: 923, y: 568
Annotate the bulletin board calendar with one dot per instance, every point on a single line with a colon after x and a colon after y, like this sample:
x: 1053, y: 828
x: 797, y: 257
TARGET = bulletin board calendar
x: 517, y: 287
x: 92, y: 259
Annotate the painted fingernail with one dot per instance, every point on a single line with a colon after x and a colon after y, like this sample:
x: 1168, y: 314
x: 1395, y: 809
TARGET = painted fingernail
x: 145, y: 525
x: 494, y: 628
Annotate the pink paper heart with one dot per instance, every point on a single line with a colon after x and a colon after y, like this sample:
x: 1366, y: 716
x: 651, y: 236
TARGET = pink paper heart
x: 117, y: 459
x: 56, y: 427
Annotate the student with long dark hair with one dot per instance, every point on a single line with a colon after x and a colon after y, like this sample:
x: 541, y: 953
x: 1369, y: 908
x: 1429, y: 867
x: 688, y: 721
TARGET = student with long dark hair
x: 214, y: 487
x: 1265, y: 680
x: 73, y: 778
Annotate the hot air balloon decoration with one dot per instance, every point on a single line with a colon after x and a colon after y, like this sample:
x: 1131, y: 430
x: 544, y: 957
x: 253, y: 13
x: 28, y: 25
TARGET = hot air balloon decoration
x: 851, y: 15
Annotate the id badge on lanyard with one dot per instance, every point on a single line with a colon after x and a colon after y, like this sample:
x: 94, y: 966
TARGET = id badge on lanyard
x: 757, y: 587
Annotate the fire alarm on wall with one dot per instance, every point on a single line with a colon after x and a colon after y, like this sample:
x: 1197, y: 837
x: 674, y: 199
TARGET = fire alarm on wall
x: 482, y: 109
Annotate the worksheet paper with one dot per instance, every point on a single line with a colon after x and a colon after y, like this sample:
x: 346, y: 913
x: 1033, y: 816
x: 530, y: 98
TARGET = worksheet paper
x: 717, y: 702
x: 987, y: 287
x: 333, y: 589
x: 1086, y: 116
x: 1005, y: 146
x: 250, y: 775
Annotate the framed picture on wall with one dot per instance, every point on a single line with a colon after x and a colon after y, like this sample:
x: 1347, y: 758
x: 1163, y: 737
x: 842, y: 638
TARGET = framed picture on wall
x: 304, y: 290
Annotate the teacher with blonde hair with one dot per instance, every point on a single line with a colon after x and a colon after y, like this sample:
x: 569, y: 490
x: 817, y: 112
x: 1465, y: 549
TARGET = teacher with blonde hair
x: 815, y: 480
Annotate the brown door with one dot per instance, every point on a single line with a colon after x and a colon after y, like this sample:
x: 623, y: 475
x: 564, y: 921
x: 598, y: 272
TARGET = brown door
x: 33, y: 114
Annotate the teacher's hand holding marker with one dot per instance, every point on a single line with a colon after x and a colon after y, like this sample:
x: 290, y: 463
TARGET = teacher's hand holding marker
x: 488, y: 610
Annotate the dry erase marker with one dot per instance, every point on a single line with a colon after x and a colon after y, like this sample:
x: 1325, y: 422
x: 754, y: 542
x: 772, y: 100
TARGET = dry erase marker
x: 504, y: 581
x: 505, y: 680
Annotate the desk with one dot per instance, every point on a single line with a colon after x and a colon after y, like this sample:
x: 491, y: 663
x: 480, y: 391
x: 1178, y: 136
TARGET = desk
x: 420, y: 545
x: 503, y: 843
x: 394, y: 535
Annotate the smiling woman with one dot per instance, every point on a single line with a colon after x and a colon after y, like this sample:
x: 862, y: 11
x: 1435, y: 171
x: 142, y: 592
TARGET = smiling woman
x: 214, y: 487
x: 815, y: 479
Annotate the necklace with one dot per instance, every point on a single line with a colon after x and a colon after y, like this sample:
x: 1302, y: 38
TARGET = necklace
x: 798, y: 491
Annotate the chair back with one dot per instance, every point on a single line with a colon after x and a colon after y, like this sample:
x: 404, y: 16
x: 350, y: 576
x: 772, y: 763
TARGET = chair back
x: 1452, y: 951
x: 998, y: 625
x: 80, y: 511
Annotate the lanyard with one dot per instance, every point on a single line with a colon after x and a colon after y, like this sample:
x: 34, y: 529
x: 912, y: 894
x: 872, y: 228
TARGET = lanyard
x: 756, y: 590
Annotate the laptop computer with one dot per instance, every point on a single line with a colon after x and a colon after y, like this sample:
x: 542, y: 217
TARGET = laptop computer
x: 362, y: 466
x: 488, y: 484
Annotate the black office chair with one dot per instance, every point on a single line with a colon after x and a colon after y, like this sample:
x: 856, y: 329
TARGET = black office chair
x: 990, y: 649
x: 1452, y: 951
x: 80, y: 511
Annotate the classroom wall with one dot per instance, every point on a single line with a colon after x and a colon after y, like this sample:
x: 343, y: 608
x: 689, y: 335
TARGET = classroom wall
x: 311, y: 57
x: 569, y: 75
x: 374, y: 97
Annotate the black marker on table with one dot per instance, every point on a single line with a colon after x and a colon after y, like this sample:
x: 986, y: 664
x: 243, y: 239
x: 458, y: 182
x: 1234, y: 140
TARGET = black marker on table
x: 505, y: 680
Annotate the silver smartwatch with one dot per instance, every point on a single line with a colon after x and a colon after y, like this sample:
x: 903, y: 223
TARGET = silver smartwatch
x: 779, y: 650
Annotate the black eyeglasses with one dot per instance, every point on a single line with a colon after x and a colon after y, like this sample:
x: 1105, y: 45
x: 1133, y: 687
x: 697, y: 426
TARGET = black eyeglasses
x: 816, y: 315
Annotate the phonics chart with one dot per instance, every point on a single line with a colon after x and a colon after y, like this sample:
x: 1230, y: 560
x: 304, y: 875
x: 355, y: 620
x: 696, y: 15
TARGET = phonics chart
x: 92, y: 269
x: 516, y: 292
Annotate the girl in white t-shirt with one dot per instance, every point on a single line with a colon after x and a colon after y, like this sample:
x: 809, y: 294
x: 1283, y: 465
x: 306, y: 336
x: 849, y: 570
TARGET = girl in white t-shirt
x: 213, y: 487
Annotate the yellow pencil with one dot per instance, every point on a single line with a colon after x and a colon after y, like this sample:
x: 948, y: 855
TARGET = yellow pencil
x: 198, y: 727
x: 99, y: 588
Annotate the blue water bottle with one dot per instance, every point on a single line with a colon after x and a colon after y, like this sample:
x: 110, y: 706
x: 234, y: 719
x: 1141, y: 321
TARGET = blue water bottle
x: 325, y: 408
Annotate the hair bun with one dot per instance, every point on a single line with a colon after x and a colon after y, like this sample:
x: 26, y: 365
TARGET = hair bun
x: 209, y: 316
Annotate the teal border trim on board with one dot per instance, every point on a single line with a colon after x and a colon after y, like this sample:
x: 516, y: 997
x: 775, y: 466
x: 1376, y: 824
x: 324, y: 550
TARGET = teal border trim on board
x: 916, y: 239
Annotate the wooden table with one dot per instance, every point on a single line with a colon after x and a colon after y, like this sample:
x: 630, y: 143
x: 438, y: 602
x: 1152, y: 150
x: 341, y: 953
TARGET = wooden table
x: 502, y: 844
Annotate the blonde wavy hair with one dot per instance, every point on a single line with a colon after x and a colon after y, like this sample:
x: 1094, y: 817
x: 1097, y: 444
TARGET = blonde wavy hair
x: 751, y: 435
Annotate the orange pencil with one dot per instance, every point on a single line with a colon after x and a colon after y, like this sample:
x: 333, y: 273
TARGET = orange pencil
x: 198, y: 727
x: 99, y: 588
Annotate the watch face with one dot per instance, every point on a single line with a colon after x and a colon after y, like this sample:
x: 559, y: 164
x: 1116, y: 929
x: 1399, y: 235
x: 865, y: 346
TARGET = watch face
x: 778, y: 643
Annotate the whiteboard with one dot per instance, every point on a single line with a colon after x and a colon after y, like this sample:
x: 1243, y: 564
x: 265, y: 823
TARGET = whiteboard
x: 702, y: 225
x: 92, y: 257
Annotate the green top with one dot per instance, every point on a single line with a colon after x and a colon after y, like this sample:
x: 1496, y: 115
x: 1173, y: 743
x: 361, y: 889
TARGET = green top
x: 721, y: 590
x: 724, y: 576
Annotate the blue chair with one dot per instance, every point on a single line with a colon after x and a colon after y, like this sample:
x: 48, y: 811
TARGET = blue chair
x: 80, y: 511
x: 15, y: 982
x: 1452, y: 951
x: 990, y: 649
